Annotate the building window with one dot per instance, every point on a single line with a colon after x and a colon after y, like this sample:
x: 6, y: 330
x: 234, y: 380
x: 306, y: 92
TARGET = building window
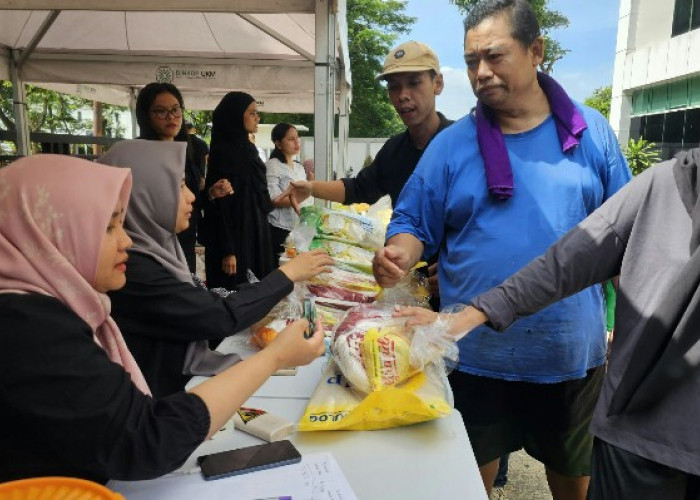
x: 673, y: 129
x: 654, y: 130
x: 691, y: 134
x: 686, y: 16
x: 671, y: 132
x: 681, y: 94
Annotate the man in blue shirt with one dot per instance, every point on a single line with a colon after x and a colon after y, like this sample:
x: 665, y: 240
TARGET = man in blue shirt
x: 488, y: 216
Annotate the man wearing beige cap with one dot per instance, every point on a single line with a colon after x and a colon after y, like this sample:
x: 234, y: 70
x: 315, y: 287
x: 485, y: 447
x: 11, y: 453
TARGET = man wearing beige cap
x: 412, y: 74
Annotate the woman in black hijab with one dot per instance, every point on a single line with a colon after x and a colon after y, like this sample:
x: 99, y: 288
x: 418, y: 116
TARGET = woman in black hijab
x: 238, y: 232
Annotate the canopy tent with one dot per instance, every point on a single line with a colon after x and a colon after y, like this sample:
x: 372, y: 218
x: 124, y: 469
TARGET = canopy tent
x: 291, y: 55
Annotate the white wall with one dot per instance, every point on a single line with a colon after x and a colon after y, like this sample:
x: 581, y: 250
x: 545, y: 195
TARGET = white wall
x: 358, y: 149
x: 654, y: 20
x: 621, y: 102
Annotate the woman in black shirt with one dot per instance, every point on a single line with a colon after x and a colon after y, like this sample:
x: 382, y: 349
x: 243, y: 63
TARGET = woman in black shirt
x: 159, y: 110
x: 239, y: 234
x: 165, y: 318
x: 72, y: 400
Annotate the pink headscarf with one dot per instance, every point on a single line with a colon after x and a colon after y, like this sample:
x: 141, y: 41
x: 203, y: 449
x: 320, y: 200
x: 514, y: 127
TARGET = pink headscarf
x: 51, y: 234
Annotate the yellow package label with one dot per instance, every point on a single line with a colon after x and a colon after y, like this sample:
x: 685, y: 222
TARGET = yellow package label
x: 386, y: 358
x: 335, y: 406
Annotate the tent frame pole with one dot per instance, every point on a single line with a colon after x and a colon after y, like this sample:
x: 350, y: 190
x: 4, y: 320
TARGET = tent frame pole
x: 132, y: 108
x: 343, y: 130
x: 38, y: 36
x: 19, y: 106
x: 324, y: 91
x: 19, y: 91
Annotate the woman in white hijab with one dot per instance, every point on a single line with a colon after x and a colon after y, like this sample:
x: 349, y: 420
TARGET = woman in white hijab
x: 160, y: 310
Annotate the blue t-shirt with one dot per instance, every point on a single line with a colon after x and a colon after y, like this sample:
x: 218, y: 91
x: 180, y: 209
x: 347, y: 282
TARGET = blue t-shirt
x: 482, y: 241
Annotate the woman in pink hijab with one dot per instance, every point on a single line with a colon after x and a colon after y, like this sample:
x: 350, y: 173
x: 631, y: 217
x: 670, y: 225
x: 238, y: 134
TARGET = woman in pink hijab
x: 72, y: 400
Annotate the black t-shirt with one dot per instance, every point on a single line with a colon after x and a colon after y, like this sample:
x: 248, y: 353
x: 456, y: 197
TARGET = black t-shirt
x: 67, y: 410
x: 389, y: 171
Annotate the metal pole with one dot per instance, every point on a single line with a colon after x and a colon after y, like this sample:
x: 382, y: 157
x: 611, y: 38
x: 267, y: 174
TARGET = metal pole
x: 19, y: 105
x: 323, y: 93
x: 343, y: 131
x: 132, y: 108
x: 19, y: 92
x: 38, y: 36
x: 97, y: 129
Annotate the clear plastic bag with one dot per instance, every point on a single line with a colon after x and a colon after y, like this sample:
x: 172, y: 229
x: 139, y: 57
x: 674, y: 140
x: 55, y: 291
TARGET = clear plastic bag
x: 374, y: 350
x: 340, y: 293
x: 346, y: 253
x: 347, y: 279
x: 345, y: 226
x: 330, y: 316
x: 289, y: 309
x: 431, y: 341
x: 412, y: 290
x: 299, y: 240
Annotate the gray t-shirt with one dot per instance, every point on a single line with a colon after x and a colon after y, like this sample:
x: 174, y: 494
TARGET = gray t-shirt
x: 642, y: 233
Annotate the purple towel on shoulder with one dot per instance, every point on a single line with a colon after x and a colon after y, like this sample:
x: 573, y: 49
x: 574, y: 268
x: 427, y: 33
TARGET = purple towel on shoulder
x: 499, y: 173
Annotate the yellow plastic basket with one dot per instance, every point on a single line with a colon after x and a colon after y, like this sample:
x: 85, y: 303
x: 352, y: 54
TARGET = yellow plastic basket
x: 56, y: 488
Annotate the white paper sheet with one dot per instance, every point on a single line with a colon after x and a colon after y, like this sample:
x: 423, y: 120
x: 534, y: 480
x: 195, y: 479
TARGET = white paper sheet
x: 317, y: 477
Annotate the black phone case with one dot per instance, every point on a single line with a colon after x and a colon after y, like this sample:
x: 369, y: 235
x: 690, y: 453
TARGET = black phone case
x: 250, y: 459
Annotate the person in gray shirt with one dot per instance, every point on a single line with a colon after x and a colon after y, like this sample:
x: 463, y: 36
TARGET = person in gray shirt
x: 645, y: 422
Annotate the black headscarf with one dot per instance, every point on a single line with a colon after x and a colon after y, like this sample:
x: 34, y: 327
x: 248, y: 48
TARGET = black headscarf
x: 237, y: 224
x: 668, y: 351
x: 231, y: 152
x: 227, y: 119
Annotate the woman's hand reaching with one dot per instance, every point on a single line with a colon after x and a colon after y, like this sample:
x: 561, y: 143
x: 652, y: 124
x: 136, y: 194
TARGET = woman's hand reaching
x: 307, y: 265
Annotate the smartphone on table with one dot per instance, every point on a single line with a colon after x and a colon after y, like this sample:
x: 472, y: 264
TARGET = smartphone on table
x: 249, y: 459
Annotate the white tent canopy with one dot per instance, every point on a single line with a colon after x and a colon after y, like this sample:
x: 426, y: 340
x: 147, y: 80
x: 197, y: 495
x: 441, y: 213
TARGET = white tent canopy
x: 291, y: 55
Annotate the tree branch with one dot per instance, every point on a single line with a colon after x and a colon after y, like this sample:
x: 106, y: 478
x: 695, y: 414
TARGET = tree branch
x: 9, y: 124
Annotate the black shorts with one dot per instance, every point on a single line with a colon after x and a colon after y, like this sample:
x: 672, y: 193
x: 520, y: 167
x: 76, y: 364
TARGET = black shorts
x: 549, y: 420
x: 620, y: 475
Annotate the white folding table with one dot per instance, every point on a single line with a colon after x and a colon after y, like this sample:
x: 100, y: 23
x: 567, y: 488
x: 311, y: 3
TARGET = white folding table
x: 427, y: 461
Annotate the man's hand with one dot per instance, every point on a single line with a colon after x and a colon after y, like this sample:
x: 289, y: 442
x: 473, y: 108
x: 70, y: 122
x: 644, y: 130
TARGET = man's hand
x: 390, y: 265
x: 298, y: 191
x: 284, y: 200
x: 228, y: 265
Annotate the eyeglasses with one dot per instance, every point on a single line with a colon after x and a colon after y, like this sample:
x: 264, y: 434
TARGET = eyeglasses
x: 162, y: 113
